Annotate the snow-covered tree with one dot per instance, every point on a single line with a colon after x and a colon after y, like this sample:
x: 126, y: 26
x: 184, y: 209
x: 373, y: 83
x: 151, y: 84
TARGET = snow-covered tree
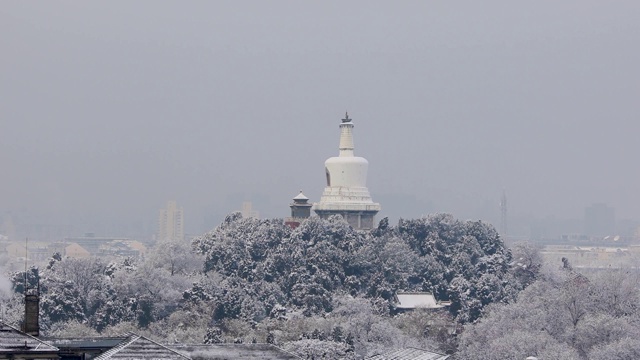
x: 176, y: 257
x: 469, y: 263
x: 527, y: 263
x: 563, y: 312
x: 322, y: 257
x: 323, y: 284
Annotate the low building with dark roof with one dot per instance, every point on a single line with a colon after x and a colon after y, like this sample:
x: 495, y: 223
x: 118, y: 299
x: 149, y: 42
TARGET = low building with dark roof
x: 15, y: 344
x: 235, y: 352
x: 137, y: 347
x: 83, y: 348
x: 409, y: 354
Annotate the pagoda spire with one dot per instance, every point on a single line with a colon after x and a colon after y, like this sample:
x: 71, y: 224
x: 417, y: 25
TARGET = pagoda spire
x: 346, y: 137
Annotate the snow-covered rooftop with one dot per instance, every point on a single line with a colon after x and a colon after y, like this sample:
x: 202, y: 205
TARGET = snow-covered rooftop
x: 85, y: 342
x: 137, y: 347
x: 414, y: 300
x: 235, y: 351
x: 409, y: 354
x: 14, y: 341
x: 300, y: 196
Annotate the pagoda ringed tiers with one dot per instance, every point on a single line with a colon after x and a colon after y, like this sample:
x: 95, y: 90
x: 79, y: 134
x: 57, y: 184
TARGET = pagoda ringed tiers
x: 346, y: 193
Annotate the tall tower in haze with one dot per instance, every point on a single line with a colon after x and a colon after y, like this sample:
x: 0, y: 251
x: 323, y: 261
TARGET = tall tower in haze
x: 346, y: 193
x: 171, y: 223
x: 503, y: 216
x: 248, y: 211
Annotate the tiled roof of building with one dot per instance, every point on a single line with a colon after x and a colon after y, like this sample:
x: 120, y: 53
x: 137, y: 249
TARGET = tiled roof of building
x: 300, y: 196
x: 409, y: 354
x: 86, y: 343
x: 235, y: 352
x: 15, y: 341
x: 137, y: 347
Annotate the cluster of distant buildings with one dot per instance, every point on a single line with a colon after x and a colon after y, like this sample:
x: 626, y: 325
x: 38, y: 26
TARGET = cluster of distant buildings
x: 593, y: 257
x: 76, y: 247
x: 597, y: 224
x: 600, y: 244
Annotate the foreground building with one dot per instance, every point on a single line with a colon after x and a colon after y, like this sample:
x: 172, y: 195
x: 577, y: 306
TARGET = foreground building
x: 139, y: 347
x: 346, y: 193
x: 17, y: 344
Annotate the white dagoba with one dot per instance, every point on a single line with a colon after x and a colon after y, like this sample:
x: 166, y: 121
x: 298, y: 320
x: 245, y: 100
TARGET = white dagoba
x: 346, y: 193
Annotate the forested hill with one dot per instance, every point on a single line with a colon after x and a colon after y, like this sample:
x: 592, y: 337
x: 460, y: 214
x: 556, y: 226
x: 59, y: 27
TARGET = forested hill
x: 259, y: 280
x: 302, y: 269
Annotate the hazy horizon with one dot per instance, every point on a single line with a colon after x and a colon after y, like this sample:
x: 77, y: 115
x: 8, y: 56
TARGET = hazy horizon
x: 110, y: 109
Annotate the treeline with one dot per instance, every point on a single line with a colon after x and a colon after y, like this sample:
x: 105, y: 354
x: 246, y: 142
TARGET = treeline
x: 302, y: 269
x: 563, y: 315
x: 321, y: 287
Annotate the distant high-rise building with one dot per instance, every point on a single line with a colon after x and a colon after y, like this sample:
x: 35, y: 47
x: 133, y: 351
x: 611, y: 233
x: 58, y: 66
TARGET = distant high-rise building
x: 171, y: 223
x: 503, y: 216
x: 346, y: 193
x: 599, y: 220
x: 247, y: 210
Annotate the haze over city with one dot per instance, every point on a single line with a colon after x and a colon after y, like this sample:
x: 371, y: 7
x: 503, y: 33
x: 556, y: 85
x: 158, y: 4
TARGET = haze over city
x: 108, y: 110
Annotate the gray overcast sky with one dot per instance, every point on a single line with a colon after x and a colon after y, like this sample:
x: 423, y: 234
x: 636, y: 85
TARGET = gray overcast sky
x: 109, y: 109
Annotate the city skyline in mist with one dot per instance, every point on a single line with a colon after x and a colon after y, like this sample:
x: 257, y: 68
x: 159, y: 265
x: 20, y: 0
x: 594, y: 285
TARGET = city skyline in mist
x: 110, y: 109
